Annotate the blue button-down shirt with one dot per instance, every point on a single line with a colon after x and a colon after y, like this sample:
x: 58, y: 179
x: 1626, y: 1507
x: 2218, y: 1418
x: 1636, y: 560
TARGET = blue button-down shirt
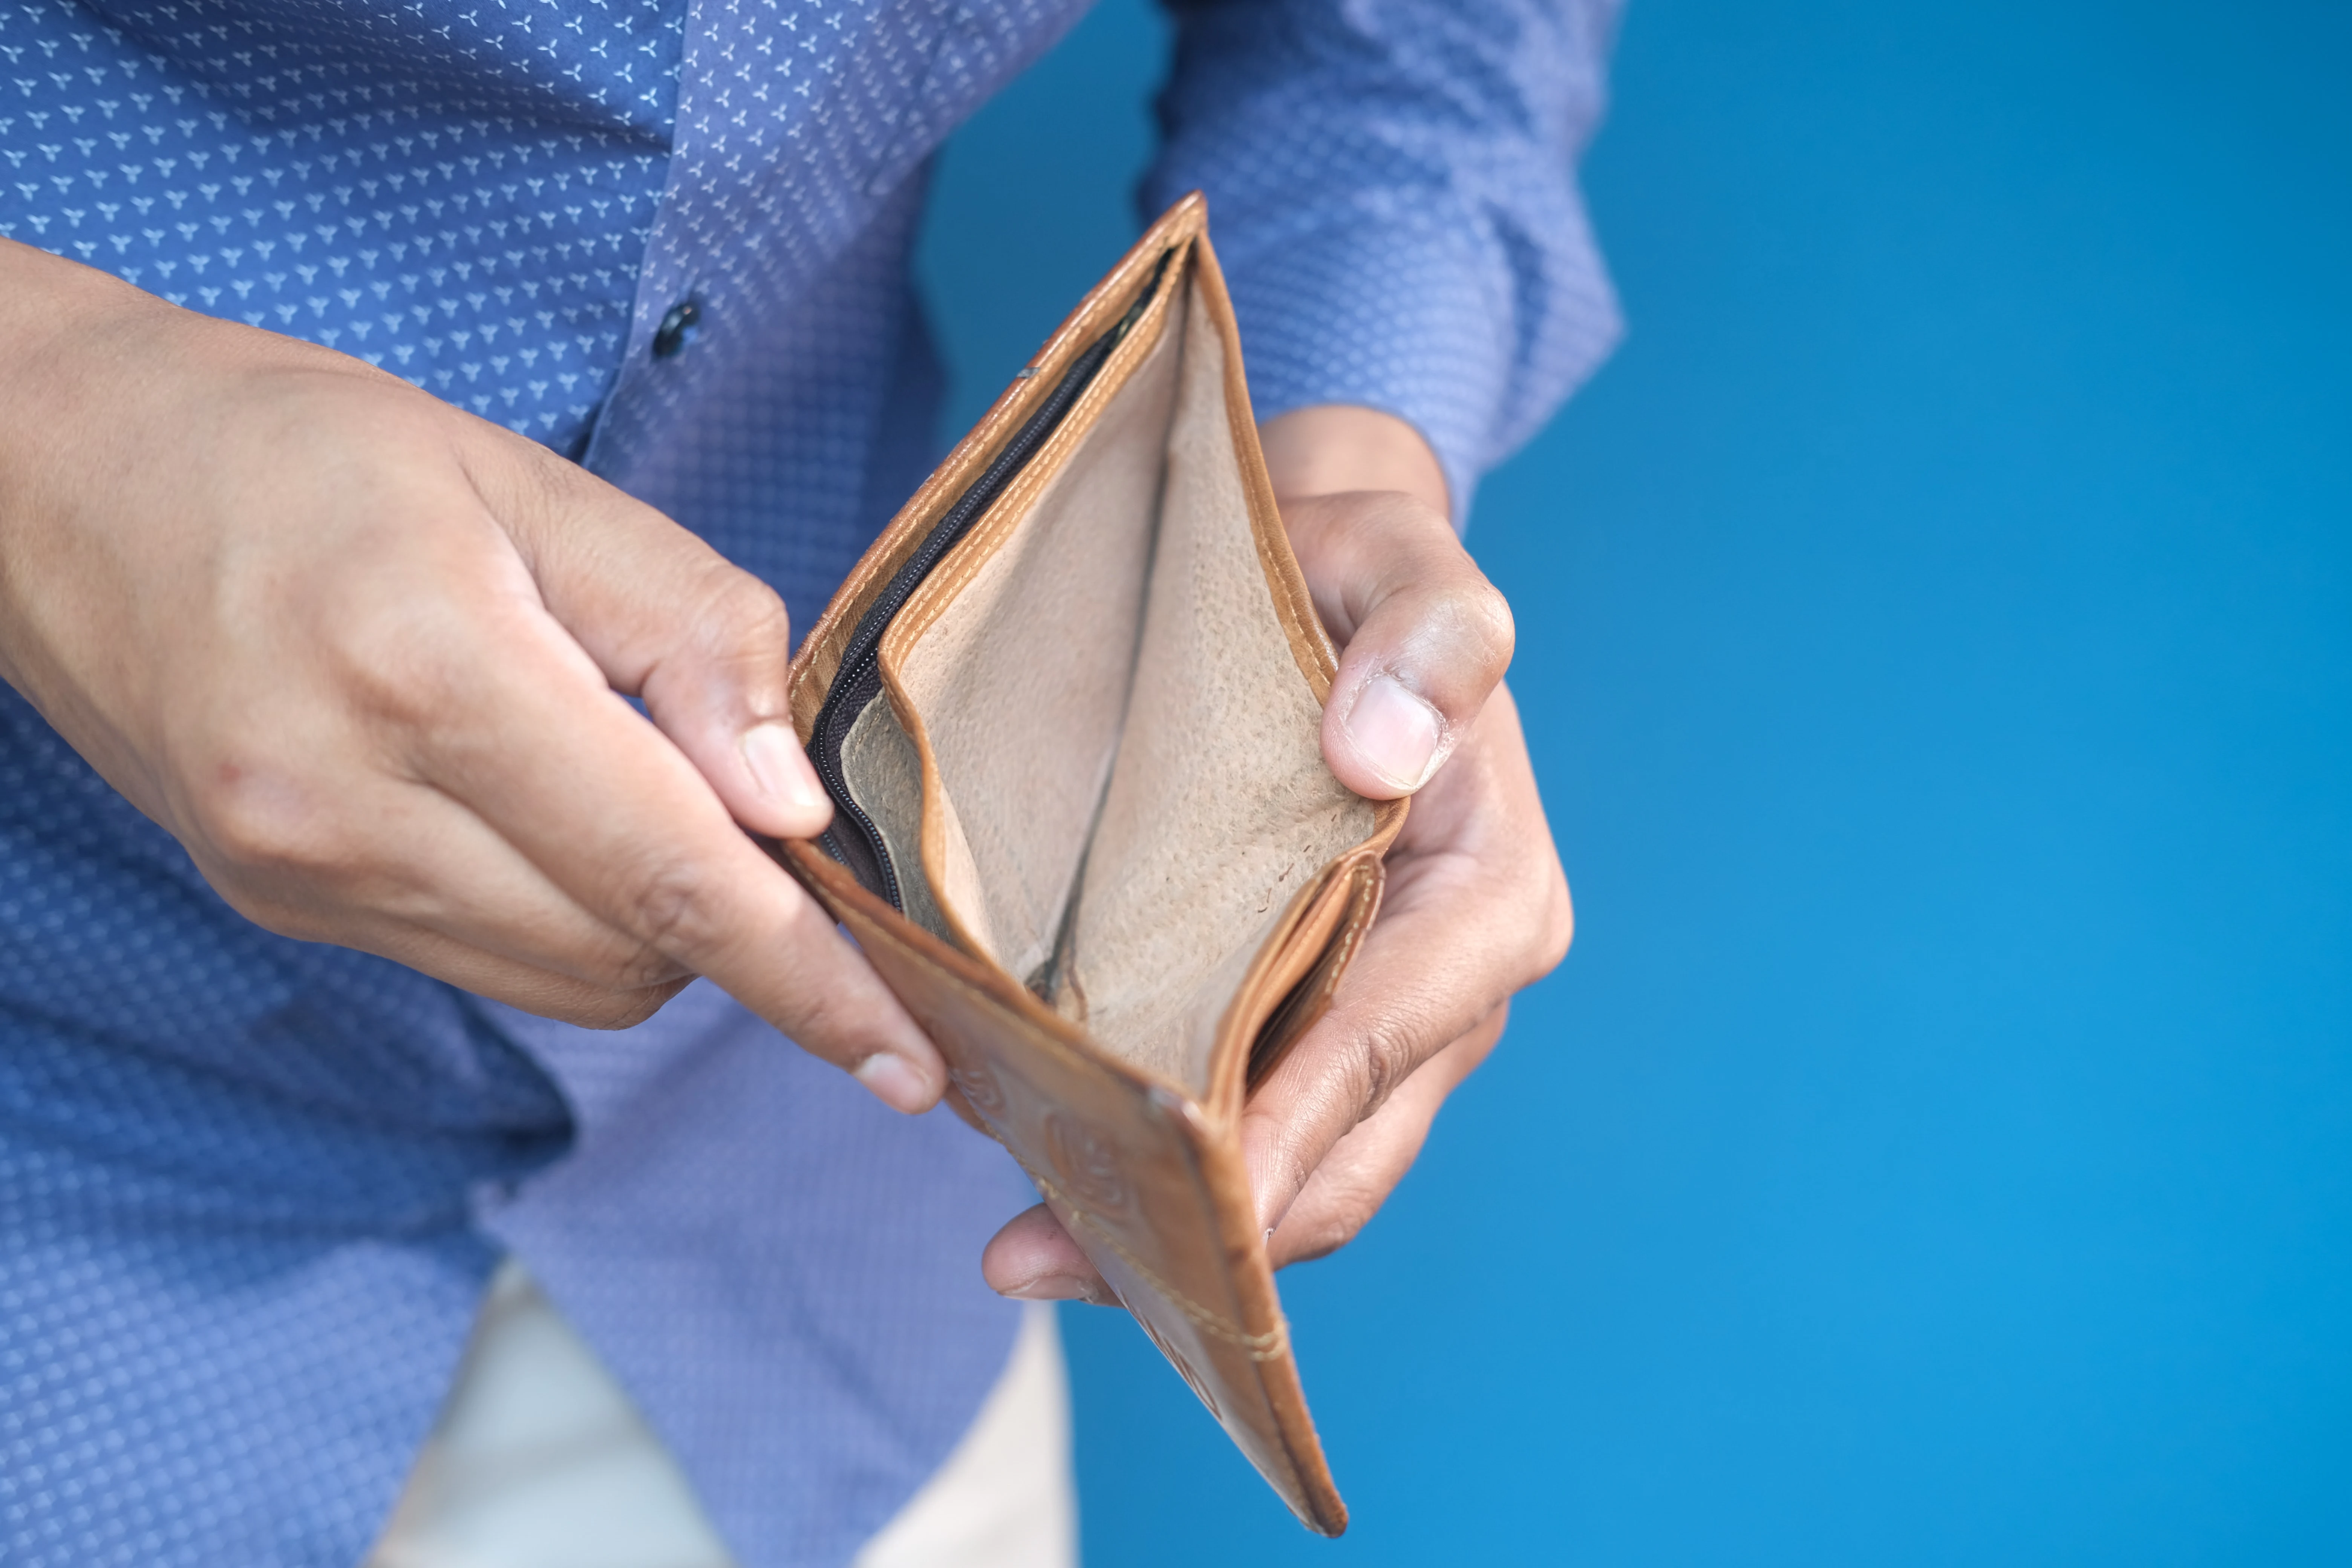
x: 250, y: 1188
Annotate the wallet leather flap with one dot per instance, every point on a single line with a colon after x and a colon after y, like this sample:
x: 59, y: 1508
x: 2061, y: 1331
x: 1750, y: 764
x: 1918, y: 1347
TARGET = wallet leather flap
x: 1151, y: 1189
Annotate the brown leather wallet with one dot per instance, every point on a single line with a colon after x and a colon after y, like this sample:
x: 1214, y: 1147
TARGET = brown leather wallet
x: 1068, y: 708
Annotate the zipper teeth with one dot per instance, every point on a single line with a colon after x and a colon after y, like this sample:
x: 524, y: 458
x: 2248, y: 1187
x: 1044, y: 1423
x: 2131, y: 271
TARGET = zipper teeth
x: 865, y: 650
x: 879, y: 850
x: 950, y: 530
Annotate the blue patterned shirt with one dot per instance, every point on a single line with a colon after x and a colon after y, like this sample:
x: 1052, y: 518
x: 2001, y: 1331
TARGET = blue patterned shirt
x: 251, y: 1188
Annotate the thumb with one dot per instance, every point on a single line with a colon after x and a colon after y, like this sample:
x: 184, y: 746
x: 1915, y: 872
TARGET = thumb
x: 704, y: 645
x: 1425, y: 637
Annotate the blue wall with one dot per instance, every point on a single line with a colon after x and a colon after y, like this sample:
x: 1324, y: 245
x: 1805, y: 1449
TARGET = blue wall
x: 1935, y: 640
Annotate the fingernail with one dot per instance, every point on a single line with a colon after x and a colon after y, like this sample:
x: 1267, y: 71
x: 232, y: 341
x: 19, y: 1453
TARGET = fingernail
x: 897, y: 1082
x: 1052, y: 1288
x: 1064, y: 1288
x: 780, y: 768
x: 1396, y: 732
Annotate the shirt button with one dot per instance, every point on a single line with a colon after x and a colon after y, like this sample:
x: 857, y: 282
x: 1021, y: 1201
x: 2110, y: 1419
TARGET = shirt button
x: 677, y: 328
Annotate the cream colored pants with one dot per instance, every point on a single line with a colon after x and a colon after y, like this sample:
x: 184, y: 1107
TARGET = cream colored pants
x: 540, y: 1461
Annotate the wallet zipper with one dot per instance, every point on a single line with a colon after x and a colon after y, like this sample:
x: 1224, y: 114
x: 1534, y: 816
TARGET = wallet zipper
x: 858, y: 680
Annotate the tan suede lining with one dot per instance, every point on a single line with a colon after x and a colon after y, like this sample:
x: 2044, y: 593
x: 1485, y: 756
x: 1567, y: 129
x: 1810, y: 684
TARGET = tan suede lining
x: 1018, y: 653
x: 1220, y: 788
x: 1108, y: 692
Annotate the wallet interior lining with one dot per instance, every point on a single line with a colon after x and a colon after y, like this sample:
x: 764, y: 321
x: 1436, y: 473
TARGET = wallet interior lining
x: 1130, y: 784
x: 1021, y: 654
x: 1220, y: 808
x: 855, y: 838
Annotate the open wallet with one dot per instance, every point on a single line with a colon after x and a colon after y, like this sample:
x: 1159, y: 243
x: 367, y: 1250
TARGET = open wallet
x: 1068, y: 707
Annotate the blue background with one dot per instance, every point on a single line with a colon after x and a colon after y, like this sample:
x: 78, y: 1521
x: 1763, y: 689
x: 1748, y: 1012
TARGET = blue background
x: 1934, y: 636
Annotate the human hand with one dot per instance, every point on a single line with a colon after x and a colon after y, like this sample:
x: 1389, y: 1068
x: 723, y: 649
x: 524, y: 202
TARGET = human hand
x: 365, y: 657
x: 1477, y: 905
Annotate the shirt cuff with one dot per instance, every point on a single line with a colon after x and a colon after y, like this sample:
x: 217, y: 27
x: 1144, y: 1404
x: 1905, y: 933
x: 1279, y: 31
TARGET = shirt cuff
x: 1414, y: 316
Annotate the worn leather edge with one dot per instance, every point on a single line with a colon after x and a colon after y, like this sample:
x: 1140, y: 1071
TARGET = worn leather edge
x: 842, y: 896
x: 1226, y: 1178
x: 1295, y: 604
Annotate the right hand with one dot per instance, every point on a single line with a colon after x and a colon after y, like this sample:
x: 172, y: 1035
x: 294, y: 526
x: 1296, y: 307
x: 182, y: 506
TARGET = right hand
x: 364, y: 654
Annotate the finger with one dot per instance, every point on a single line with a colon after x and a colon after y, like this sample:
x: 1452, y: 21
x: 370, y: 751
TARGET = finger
x: 543, y: 992
x: 467, y: 960
x: 665, y: 618
x: 1477, y: 910
x: 505, y: 713
x: 1424, y: 635
x: 1032, y: 1258
x: 386, y: 864
x: 1356, y: 1177
x: 395, y: 868
x: 657, y: 856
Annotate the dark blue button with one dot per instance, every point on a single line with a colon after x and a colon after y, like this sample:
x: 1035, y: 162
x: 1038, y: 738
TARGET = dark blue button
x: 677, y: 328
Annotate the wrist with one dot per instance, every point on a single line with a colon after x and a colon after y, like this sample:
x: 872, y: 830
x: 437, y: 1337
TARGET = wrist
x: 61, y: 326
x: 1333, y: 448
x: 58, y: 325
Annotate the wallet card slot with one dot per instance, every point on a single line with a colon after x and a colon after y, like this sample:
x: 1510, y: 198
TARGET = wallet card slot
x: 855, y: 840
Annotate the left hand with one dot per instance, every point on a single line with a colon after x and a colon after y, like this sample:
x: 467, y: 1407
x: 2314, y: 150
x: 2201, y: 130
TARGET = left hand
x: 1476, y: 906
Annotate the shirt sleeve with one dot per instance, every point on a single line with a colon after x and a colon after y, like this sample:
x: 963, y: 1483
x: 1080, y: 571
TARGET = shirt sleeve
x: 1392, y: 188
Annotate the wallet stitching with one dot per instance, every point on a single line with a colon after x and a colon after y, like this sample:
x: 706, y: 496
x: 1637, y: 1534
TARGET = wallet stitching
x: 1008, y: 510
x: 1271, y: 1345
x: 1271, y: 535
x: 1084, y: 409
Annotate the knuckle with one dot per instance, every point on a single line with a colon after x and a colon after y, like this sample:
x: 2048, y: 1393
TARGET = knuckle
x: 553, y: 482
x: 590, y: 1006
x: 824, y: 1024
x: 1488, y: 614
x: 279, y: 917
x: 741, y: 617
x: 634, y: 963
x: 402, y: 659
x: 1387, y: 1056
x: 264, y: 821
x: 529, y: 485
x: 665, y: 904
x: 1471, y: 620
